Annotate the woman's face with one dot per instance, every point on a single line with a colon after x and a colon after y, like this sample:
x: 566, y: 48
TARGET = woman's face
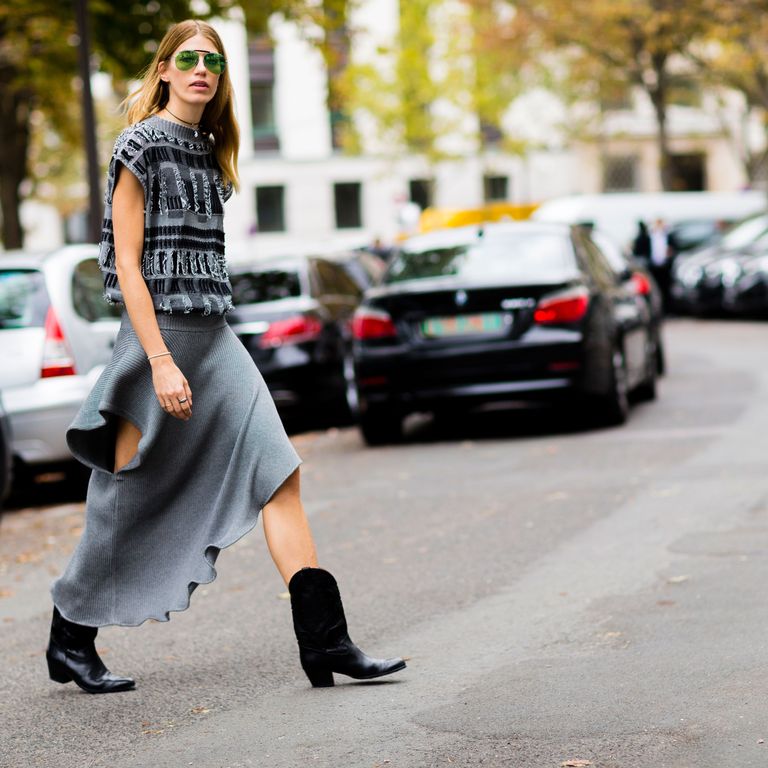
x: 197, y: 85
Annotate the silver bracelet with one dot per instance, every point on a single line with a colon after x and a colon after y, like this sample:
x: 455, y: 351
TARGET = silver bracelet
x: 159, y: 354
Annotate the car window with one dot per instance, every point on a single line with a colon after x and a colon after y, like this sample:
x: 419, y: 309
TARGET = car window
x: 745, y: 233
x: 88, y: 293
x: 23, y: 298
x: 365, y: 269
x: 686, y: 235
x: 267, y: 285
x: 518, y: 258
x: 598, y: 264
x: 334, y: 281
x: 611, y: 252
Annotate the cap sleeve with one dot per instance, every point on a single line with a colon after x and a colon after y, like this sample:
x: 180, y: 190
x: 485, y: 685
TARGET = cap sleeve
x: 128, y: 152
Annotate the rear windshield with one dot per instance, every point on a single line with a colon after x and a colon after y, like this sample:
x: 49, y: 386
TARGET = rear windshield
x: 270, y: 285
x: 745, y: 233
x: 23, y: 298
x: 517, y: 258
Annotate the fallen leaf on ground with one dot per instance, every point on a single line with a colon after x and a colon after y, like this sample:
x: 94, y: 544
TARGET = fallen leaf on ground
x: 575, y: 763
x: 28, y: 557
x: 199, y: 710
x: 677, y: 579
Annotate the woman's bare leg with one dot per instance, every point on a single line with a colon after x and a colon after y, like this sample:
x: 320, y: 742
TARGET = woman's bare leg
x: 287, y: 531
x: 126, y: 443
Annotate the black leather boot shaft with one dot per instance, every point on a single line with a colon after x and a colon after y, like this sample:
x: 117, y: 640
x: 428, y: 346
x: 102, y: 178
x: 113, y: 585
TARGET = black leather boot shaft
x: 72, y: 656
x: 321, y: 631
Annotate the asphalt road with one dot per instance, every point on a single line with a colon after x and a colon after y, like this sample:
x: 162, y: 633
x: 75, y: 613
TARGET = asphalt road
x: 562, y: 594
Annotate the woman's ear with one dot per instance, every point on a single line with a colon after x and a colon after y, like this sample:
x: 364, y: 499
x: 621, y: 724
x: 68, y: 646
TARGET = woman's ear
x: 162, y: 67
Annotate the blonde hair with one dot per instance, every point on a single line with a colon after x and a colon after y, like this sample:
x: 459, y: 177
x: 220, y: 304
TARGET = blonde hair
x: 218, y: 118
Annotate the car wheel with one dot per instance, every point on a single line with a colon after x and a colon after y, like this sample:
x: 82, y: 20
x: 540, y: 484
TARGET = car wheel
x: 646, y: 390
x: 380, y: 426
x: 612, y: 408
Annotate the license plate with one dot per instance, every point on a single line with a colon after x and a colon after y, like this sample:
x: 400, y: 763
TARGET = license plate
x: 463, y: 325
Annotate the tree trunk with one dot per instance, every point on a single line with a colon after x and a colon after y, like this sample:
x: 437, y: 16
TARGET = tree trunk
x: 658, y: 94
x: 14, y: 140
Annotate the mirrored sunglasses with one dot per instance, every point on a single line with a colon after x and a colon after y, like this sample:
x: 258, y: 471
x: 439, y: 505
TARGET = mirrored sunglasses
x: 214, y: 62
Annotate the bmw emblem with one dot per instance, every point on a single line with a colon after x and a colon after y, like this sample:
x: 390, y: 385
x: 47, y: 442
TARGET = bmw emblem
x: 460, y: 298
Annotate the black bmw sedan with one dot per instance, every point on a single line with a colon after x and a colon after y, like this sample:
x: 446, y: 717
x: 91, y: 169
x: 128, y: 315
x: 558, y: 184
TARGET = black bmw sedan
x: 500, y: 312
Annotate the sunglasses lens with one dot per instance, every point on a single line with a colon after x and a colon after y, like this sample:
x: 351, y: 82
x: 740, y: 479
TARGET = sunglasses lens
x: 186, y: 60
x: 215, y: 63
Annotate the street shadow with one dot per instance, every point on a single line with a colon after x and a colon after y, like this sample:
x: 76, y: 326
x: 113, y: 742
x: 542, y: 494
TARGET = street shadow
x: 498, y: 421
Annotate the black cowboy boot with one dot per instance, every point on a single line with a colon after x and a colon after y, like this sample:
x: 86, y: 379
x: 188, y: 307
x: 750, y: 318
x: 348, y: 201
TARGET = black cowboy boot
x: 321, y: 630
x: 72, y: 657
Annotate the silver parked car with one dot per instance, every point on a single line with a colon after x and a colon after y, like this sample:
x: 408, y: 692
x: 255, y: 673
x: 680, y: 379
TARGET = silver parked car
x: 56, y: 335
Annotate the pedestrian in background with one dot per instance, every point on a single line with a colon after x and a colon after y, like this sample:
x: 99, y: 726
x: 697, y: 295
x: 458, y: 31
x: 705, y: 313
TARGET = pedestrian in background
x: 661, y: 260
x: 173, y: 484
x: 641, y: 245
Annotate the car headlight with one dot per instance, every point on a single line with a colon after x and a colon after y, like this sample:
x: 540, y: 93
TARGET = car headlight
x: 730, y: 271
x: 690, y: 277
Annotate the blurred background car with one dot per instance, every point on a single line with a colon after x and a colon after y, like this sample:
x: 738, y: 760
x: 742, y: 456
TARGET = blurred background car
x: 686, y: 235
x: 638, y: 278
x: 704, y: 280
x: 56, y: 335
x: 500, y: 312
x: 6, y: 455
x: 690, y: 215
x: 293, y: 315
x: 746, y: 292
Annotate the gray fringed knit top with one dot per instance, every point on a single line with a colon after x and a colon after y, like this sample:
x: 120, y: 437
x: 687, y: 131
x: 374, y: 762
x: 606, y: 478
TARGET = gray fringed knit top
x: 183, y: 260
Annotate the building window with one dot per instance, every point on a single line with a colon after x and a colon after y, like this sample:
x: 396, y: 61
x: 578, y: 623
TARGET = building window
x: 689, y: 173
x: 496, y: 188
x: 261, y: 61
x: 346, y: 197
x: 270, y: 213
x: 421, y: 192
x: 620, y: 173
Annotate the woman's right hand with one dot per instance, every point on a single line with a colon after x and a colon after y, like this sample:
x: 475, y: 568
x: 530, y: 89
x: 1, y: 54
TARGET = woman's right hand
x: 172, y: 389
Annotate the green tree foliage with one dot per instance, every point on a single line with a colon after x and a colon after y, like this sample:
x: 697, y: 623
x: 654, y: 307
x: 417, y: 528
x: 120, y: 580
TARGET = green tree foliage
x: 449, y: 61
x: 39, y: 84
x: 735, y: 54
x: 607, y: 43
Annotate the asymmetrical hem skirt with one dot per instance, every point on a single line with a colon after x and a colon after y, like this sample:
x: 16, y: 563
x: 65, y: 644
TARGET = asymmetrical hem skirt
x: 155, y: 527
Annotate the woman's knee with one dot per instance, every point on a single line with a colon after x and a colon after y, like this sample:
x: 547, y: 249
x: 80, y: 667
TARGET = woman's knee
x: 126, y: 442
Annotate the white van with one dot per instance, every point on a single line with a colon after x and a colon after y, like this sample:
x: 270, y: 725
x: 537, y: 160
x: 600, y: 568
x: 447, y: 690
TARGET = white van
x: 618, y: 213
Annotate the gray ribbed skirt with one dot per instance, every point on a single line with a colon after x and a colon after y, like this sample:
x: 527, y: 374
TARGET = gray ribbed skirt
x: 154, y: 529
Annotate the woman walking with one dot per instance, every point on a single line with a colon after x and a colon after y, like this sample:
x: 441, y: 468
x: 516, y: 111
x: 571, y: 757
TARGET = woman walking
x: 174, y: 483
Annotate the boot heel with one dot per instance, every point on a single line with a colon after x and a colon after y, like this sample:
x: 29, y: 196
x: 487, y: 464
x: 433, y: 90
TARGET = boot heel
x: 320, y: 678
x: 58, y: 672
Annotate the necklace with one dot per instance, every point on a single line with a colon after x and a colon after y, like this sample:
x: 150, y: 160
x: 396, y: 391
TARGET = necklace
x: 194, y: 126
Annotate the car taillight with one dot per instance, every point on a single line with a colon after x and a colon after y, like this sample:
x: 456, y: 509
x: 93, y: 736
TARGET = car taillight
x: 641, y: 283
x: 291, y: 330
x: 57, y: 357
x: 372, y: 324
x: 566, y: 307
